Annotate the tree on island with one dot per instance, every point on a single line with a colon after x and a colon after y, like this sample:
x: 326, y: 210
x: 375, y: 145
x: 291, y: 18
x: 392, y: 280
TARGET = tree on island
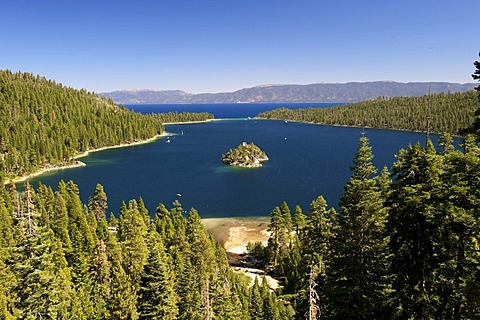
x: 245, y: 155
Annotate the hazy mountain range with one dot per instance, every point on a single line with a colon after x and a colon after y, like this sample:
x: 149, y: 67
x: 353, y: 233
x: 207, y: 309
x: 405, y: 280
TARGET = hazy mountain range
x: 318, y: 92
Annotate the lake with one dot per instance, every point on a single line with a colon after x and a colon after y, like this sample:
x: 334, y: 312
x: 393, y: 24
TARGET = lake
x: 306, y: 161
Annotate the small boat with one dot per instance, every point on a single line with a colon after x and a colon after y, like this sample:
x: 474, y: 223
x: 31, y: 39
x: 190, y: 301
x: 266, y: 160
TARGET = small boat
x: 179, y: 195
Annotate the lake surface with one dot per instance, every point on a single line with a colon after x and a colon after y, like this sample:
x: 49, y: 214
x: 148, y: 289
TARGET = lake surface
x: 306, y: 161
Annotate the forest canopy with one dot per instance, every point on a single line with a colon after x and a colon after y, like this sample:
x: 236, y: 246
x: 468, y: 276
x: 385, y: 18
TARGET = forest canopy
x: 437, y: 113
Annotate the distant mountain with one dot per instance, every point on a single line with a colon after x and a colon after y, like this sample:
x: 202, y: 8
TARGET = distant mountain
x: 318, y: 92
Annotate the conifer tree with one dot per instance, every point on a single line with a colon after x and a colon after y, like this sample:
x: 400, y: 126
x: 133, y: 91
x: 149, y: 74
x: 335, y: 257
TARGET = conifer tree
x: 60, y: 227
x: 164, y: 225
x: 277, y: 237
x: 457, y: 273
x: 44, y: 286
x: 157, y: 298
x: 7, y: 277
x: 121, y: 298
x: 359, y: 263
x: 287, y: 217
x: 316, y: 251
x: 132, y: 232
x: 256, y: 302
x: 98, y: 203
x: 299, y: 220
x: 413, y: 227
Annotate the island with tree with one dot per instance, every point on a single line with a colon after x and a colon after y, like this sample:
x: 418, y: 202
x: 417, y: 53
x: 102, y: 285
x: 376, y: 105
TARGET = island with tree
x: 246, y: 155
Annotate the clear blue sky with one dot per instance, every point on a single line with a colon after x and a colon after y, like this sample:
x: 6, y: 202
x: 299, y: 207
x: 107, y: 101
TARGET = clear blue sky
x: 225, y: 45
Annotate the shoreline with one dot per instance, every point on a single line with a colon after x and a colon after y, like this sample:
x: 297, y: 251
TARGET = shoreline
x: 235, y: 233
x: 189, y: 122
x: 360, y: 127
x: 77, y: 163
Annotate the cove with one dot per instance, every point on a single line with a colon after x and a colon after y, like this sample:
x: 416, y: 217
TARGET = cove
x: 306, y: 161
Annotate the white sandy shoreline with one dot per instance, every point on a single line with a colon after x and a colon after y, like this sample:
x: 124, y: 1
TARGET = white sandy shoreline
x: 78, y: 163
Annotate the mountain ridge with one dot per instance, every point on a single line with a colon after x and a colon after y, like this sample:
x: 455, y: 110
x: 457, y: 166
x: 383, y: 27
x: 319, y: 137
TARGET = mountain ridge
x: 290, y: 93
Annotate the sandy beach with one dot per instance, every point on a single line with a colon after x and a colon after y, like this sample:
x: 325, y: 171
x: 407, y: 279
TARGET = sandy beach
x: 234, y: 233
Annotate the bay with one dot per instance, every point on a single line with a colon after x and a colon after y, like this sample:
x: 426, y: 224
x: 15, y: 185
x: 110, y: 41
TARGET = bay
x: 306, y: 161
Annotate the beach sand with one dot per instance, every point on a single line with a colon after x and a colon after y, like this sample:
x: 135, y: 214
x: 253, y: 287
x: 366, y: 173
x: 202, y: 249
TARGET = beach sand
x: 234, y: 233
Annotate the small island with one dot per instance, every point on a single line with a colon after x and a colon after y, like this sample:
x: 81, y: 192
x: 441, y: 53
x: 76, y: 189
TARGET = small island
x: 246, y: 155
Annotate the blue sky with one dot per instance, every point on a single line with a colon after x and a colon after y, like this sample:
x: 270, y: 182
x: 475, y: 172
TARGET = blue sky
x: 225, y: 45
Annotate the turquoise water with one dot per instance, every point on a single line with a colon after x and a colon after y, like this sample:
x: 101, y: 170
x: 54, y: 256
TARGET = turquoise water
x: 305, y: 161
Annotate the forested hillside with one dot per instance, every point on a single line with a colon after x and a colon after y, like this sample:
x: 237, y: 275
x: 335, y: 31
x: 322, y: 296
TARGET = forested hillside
x: 404, y: 244
x: 60, y: 259
x: 436, y: 113
x: 44, y: 124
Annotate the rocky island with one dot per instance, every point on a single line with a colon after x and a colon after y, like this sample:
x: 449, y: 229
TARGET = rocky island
x: 246, y: 155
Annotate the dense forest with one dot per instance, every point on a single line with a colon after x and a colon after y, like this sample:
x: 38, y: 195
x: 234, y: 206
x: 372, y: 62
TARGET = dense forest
x: 403, y: 245
x: 434, y: 113
x: 44, y: 124
x: 60, y: 259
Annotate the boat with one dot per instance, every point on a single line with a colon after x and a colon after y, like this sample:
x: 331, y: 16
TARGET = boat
x: 179, y: 195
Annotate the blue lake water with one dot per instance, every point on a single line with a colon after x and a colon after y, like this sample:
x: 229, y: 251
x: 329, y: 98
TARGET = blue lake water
x: 306, y: 160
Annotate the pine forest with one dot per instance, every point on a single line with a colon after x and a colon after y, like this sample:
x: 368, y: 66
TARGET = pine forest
x: 437, y: 113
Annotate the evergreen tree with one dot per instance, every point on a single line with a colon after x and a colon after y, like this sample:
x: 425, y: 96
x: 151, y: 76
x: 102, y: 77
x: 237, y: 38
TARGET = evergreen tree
x: 7, y: 277
x: 287, y: 217
x: 60, y: 227
x: 256, y: 302
x: 157, y: 298
x: 299, y: 220
x: 413, y: 226
x: 132, y: 232
x: 316, y: 252
x: 278, y: 234
x: 359, y: 263
x: 98, y: 203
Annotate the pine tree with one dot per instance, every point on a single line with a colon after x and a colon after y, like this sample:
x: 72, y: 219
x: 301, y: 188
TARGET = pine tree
x: 413, y: 227
x: 157, y: 298
x: 7, y: 277
x: 359, y: 263
x: 256, y: 302
x: 316, y: 252
x: 277, y: 238
x: 98, y: 203
x: 457, y: 276
x: 44, y: 286
x: 299, y: 220
x: 132, y: 233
